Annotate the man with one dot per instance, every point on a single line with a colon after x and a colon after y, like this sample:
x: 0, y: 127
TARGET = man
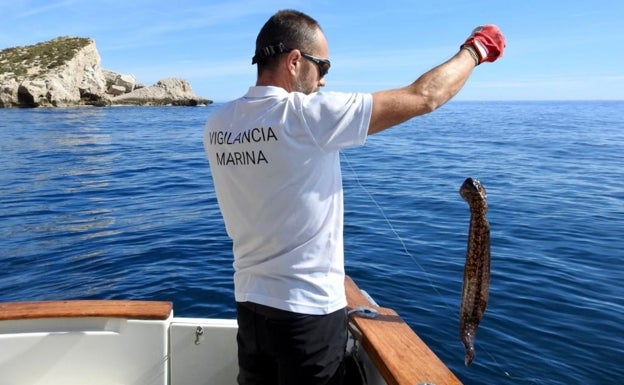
x: 274, y: 161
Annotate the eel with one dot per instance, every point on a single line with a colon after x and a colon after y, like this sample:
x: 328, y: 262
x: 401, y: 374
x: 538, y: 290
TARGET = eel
x: 476, y: 285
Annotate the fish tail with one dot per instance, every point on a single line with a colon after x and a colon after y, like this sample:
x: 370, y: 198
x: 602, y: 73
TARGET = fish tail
x: 470, y: 355
x: 468, y: 337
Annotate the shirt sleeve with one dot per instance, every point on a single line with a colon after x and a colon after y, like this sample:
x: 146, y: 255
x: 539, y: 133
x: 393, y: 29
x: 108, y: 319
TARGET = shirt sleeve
x: 337, y: 120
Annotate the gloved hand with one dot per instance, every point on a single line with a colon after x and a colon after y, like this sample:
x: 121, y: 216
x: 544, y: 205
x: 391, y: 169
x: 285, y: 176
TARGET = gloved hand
x: 486, y: 44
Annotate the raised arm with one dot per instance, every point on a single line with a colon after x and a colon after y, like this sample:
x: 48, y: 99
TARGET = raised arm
x: 438, y: 85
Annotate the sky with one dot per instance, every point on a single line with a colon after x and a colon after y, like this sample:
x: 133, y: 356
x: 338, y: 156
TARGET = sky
x: 556, y: 49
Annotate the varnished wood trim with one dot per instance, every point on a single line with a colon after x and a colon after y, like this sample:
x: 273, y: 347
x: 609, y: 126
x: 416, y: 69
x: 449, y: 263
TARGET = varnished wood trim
x: 154, y: 310
x: 399, y: 354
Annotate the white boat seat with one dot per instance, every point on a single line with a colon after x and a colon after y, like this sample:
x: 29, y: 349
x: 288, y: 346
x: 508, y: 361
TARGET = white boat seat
x: 82, y: 343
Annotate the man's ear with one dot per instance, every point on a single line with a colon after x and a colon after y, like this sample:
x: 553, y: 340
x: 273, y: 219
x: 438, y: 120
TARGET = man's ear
x: 294, y: 61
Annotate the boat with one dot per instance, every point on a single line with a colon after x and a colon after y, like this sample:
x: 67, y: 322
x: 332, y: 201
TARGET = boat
x: 132, y: 342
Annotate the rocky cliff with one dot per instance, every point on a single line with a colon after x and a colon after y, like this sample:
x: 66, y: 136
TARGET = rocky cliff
x: 66, y: 72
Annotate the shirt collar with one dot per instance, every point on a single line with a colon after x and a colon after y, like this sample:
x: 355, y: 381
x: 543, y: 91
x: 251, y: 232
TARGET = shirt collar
x: 265, y: 91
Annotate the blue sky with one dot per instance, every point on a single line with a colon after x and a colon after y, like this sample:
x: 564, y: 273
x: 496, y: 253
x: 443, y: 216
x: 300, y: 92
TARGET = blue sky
x: 556, y: 49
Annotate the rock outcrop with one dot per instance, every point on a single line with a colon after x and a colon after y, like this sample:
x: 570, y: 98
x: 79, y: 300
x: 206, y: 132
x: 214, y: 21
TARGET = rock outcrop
x: 172, y: 91
x: 118, y: 84
x: 67, y: 71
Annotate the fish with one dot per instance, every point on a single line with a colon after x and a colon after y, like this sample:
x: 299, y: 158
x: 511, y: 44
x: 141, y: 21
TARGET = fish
x: 476, y: 283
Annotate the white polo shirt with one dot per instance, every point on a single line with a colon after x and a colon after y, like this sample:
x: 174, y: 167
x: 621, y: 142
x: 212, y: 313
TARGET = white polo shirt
x: 275, y: 165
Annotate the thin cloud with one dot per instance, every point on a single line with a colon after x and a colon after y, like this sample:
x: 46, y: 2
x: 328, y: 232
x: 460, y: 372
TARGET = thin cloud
x: 35, y: 11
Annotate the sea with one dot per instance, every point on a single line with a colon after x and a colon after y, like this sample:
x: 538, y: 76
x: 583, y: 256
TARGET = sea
x: 118, y: 203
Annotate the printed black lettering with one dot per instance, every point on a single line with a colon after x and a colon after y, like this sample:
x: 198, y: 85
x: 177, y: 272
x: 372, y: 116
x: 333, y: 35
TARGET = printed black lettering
x: 241, y: 158
x: 253, y: 135
x: 270, y: 134
x: 262, y: 158
x: 256, y: 134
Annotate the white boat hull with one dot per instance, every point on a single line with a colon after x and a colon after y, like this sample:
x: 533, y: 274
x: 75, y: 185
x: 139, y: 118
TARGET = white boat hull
x: 142, y: 343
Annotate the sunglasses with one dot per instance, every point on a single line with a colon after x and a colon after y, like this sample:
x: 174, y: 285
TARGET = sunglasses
x: 322, y: 64
x: 272, y: 50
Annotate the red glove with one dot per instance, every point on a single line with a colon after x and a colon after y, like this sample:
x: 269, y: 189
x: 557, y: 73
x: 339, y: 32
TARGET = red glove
x: 485, y: 44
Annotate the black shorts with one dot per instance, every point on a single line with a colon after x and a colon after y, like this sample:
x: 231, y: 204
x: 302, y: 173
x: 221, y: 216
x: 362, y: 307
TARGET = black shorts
x: 277, y: 347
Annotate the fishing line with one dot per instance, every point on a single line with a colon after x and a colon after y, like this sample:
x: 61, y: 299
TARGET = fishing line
x: 427, y: 274
x: 396, y: 234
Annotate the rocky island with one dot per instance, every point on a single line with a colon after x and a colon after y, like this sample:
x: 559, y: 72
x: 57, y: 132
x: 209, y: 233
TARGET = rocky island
x: 66, y: 72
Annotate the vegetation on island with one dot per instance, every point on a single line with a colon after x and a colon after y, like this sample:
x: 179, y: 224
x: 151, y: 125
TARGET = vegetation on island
x: 45, y: 56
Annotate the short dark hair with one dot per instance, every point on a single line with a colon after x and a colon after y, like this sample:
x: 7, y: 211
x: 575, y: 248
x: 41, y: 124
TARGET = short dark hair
x: 293, y: 29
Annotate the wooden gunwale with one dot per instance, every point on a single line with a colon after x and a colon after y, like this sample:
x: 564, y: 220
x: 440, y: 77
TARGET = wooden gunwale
x: 147, y: 310
x: 399, y: 354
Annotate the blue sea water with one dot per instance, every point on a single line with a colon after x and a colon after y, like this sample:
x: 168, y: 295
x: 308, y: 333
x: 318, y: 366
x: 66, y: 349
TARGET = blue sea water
x: 102, y: 203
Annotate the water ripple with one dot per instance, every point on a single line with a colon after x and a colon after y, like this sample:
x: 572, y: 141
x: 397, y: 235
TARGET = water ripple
x: 118, y: 203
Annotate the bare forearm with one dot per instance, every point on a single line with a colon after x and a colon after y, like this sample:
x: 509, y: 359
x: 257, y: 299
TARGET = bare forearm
x: 439, y: 85
x: 428, y: 92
